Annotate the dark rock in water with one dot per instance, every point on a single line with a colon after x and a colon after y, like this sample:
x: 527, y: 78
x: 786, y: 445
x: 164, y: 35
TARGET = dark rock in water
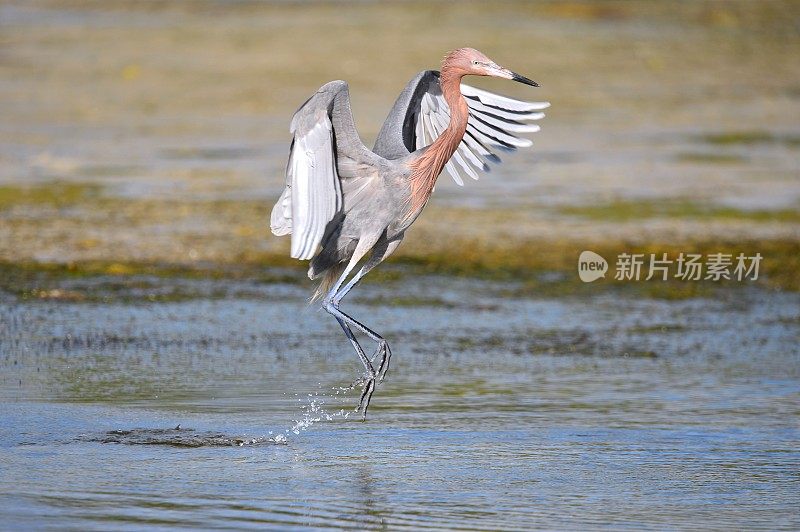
x: 177, y: 437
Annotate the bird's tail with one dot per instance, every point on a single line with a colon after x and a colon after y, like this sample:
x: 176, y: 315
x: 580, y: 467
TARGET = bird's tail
x: 329, y: 279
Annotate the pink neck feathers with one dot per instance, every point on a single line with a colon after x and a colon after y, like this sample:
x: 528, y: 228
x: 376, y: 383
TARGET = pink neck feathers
x: 426, y: 169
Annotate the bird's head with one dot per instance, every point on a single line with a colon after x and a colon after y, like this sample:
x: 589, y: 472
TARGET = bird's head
x: 471, y: 62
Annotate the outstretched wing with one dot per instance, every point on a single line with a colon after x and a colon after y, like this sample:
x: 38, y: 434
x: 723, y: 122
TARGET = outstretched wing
x: 421, y: 114
x: 313, y: 194
x: 325, y: 149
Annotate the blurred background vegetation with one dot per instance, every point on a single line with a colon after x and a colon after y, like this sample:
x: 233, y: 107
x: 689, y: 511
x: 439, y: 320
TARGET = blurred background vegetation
x: 151, y: 137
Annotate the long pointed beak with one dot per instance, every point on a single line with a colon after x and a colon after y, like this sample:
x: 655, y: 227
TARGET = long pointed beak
x: 523, y: 79
x: 508, y: 74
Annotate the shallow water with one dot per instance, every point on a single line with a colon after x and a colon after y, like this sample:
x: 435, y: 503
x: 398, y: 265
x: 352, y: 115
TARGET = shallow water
x: 496, y: 413
x: 233, y: 408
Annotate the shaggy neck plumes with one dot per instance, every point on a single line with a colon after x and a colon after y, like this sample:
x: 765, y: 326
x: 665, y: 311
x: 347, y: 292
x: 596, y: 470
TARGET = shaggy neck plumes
x: 429, y: 165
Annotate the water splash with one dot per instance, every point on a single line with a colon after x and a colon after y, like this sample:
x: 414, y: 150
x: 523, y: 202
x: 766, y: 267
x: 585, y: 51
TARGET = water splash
x: 313, y: 411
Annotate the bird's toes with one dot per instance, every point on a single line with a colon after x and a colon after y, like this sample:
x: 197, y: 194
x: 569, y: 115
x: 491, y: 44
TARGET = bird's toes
x: 366, y: 395
x: 384, y: 367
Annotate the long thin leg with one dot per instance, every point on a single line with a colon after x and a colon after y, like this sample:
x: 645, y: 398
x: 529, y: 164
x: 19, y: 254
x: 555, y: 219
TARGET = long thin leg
x: 343, y: 324
x: 331, y: 308
x: 383, y: 346
x: 343, y: 319
x: 350, y: 336
x: 369, y: 385
x: 339, y: 295
x: 378, y: 255
x: 331, y: 305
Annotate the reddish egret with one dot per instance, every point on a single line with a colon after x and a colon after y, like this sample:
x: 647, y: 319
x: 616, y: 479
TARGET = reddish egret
x: 343, y: 201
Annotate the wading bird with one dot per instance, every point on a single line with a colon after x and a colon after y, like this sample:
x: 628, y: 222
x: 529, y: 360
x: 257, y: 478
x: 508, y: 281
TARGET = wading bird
x: 343, y: 201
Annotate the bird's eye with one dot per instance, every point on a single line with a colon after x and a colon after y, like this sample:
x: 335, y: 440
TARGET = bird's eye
x: 476, y: 63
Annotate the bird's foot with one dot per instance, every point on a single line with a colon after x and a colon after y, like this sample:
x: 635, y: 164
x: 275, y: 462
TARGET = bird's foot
x: 386, y: 356
x: 366, y: 394
x: 368, y: 381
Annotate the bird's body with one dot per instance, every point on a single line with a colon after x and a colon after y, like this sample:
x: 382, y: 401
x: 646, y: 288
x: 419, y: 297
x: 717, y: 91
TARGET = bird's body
x: 344, y: 202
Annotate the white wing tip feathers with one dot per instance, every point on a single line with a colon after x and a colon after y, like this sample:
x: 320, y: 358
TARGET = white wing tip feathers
x: 312, y: 196
x: 494, y: 123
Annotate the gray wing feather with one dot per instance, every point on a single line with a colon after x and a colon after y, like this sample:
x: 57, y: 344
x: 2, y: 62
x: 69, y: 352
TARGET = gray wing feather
x: 325, y: 149
x: 397, y: 137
